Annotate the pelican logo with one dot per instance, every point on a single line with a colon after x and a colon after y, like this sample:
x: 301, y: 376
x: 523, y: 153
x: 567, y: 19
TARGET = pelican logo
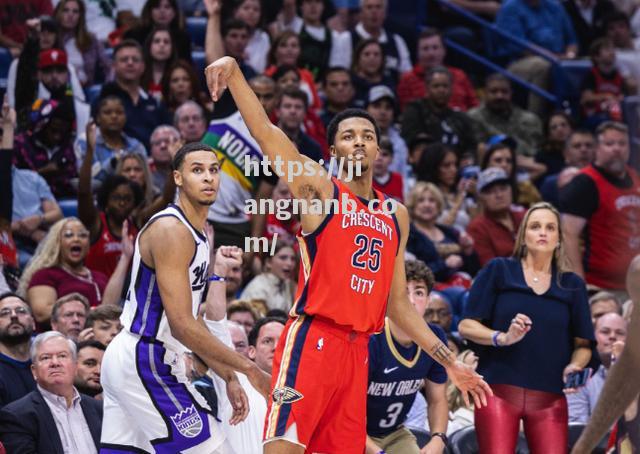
x: 188, y: 422
x: 286, y: 395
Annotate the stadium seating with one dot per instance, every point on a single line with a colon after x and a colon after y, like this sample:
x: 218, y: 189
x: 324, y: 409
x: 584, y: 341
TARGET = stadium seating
x: 69, y: 207
x: 566, y: 80
x: 199, y: 63
x: 5, y: 62
x: 575, y: 429
x: 197, y: 29
x: 92, y: 93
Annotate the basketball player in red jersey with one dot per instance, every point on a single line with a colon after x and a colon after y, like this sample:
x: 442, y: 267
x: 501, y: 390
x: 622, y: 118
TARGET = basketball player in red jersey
x: 352, y: 274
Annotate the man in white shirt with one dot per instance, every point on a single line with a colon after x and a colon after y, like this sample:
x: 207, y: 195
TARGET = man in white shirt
x: 55, y: 418
x: 372, y: 16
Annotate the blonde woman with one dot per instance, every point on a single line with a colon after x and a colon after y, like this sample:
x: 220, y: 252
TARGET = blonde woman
x: 57, y: 269
x: 529, y: 317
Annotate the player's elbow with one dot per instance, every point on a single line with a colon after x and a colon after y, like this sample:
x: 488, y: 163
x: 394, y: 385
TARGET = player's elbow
x: 465, y: 327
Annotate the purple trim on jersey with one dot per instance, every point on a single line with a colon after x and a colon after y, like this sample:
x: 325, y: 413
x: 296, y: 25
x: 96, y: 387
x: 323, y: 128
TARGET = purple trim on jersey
x: 292, y: 373
x: 187, y: 422
x: 149, y: 308
x: 109, y: 448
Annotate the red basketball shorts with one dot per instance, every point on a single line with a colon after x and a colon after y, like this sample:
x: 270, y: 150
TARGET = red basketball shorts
x: 319, y: 387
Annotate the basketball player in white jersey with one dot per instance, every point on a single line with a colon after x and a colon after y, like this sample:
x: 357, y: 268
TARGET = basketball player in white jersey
x: 149, y: 405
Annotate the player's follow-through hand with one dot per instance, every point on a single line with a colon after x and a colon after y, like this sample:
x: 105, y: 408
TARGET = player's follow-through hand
x: 218, y: 74
x: 469, y: 381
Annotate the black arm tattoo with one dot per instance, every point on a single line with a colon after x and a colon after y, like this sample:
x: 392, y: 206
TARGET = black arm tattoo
x: 441, y: 353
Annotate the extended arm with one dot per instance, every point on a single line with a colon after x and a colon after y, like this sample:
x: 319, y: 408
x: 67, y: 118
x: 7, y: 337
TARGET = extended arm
x: 165, y: 242
x: 272, y: 141
x: 438, y: 414
x: 402, y: 312
x: 572, y: 227
x: 86, y: 209
x: 619, y: 390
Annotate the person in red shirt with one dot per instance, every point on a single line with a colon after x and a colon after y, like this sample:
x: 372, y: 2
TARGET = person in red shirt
x: 352, y: 266
x: 385, y: 181
x: 494, y: 230
x: 431, y: 53
x: 604, y: 199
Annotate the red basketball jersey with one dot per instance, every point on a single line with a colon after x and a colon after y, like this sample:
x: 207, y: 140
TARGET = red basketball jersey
x: 347, y: 264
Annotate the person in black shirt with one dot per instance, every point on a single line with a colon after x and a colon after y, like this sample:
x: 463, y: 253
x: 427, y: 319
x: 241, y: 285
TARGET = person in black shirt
x: 16, y: 327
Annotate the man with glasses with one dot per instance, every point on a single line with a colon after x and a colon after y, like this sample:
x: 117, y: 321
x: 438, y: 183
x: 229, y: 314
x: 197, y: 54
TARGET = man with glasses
x: 16, y: 327
x: 55, y: 417
x: 143, y: 112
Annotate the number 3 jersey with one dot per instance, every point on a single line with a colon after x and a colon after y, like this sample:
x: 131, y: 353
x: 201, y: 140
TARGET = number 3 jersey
x: 347, y: 263
x: 143, y: 313
x: 396, y: 374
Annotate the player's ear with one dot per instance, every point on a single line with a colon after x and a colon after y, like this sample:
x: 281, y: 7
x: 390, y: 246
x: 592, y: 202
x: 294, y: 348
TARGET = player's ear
x: 251, y: 351
x: 177, y: 178
x: 332, y: 150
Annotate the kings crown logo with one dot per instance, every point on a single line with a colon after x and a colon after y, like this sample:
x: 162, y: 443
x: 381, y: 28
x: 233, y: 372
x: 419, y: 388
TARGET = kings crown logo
x: 188, y: 422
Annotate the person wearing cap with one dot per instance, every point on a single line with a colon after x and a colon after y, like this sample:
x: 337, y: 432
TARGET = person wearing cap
x: 431, y: 52
x: 24, y: 83
x: 501, y: 152
x: 46, y: 146
x: 494, y: 229
x: 381, y: 105
x: 498, y: 115
x: 432, y: 115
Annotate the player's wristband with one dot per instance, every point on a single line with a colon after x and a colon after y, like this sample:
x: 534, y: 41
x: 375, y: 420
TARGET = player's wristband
x: 494, y: 339
x: 216, y: 278
x: 442, y: 435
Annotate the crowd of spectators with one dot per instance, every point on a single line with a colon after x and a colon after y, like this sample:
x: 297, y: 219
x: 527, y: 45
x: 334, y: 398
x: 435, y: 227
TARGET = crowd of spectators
x: 101, y: 93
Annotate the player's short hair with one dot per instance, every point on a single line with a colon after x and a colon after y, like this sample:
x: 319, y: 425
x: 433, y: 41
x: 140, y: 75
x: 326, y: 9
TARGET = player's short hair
x: 75, y: 296
x: 103, y: 313
x: 91, y: 343
x: 332, y: 129
x: 191, y: 147
x: 418, y: 271
x: 255, y: 331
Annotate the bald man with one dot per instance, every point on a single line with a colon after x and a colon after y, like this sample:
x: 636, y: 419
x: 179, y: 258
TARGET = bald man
x: 619, y: 391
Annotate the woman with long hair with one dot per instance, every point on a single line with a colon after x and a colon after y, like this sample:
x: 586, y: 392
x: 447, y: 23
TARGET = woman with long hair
x: 165, y: 13
x: 444, y: 249
x: 439, y: 164
x: 136, y: 169
x: 558, y: 129
x: 285, y: 51
x: 84, y: 51
x: 117, y: 198
x: 181, y: 83
x: 368, y: 70
x: 58, y: 268
x: 529, y: 321
x: 159, y: 54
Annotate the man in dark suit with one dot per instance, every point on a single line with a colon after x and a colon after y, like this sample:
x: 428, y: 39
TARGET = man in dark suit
x: 55, y: 418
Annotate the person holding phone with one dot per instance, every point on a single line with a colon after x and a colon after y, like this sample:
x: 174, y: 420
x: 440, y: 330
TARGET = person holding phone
x: 528, y: 319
